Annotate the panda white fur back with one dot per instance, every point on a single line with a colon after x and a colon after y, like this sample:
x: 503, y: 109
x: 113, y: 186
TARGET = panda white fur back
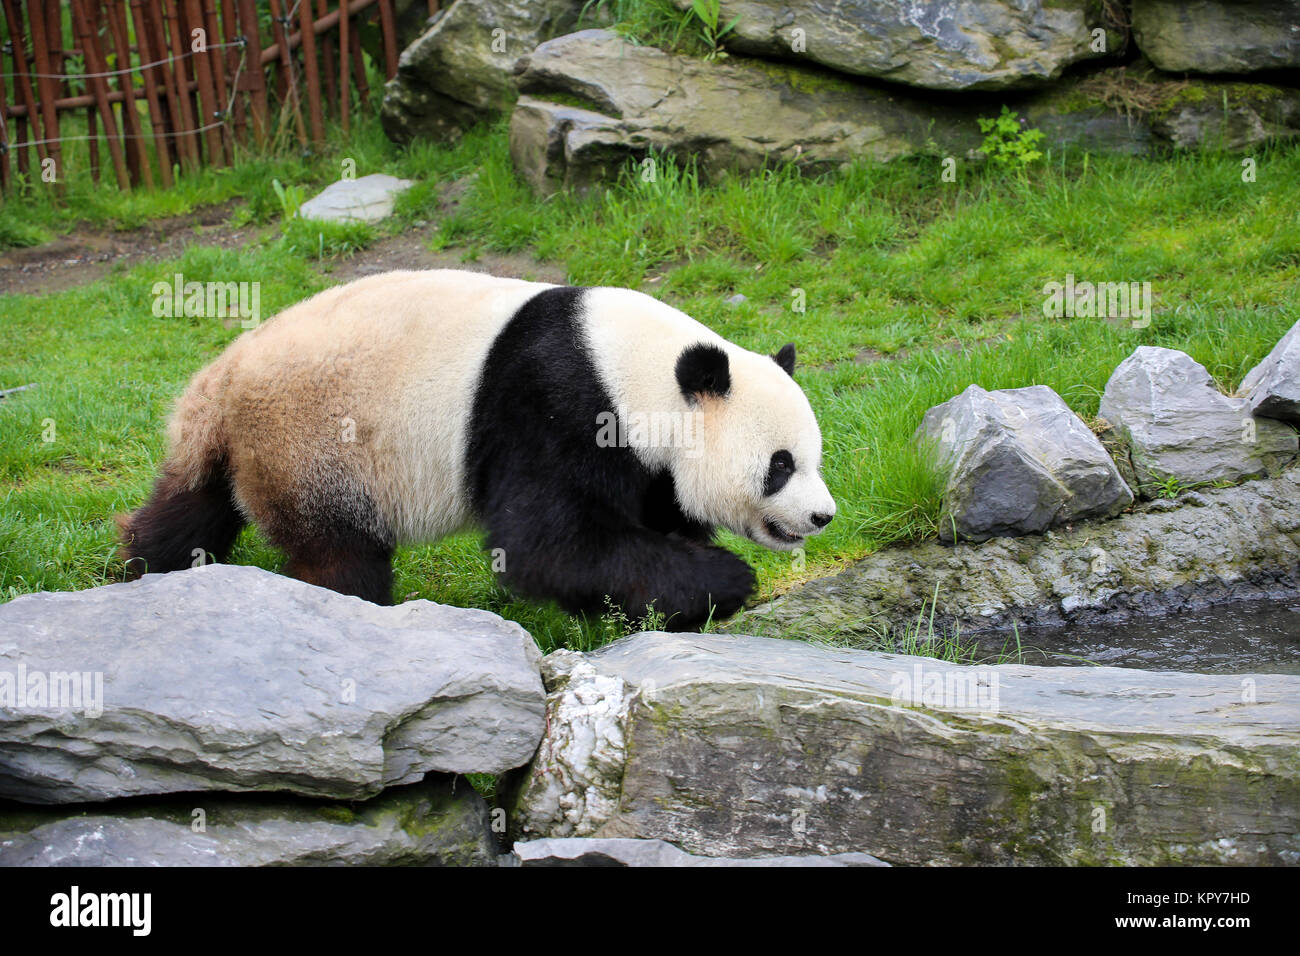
x: 406, y: 406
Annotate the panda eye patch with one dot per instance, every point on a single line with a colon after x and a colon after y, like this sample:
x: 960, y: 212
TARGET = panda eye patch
x: 779, y: 471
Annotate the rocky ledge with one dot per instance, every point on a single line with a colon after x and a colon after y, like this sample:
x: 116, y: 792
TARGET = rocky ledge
x: 733, y: 745
x: 1205, y: 547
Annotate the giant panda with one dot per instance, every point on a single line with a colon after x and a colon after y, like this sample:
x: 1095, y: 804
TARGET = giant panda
x: 406, y: 406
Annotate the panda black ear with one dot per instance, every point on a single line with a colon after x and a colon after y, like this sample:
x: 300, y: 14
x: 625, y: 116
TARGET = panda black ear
x: 785, y: 358
x: 703, y: 370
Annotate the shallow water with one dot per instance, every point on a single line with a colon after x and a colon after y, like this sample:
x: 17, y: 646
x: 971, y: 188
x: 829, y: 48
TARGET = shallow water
x: 1256, y: 636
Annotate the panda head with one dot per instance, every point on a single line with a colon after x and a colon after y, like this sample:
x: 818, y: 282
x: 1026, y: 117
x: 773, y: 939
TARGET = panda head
x: 754, y: 466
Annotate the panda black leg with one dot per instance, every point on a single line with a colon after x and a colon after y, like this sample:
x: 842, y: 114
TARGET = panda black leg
x: 366, y: 571
x: 687, y: 582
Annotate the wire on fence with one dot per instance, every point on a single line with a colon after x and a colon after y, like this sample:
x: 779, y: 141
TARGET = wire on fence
x: 133, y: 69
x: 177, y: 82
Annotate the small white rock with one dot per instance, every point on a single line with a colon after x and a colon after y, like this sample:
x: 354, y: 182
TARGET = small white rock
x: 367, y: 199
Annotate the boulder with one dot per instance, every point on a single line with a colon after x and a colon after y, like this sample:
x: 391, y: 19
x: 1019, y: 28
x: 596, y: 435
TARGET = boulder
x: 1178, y: 427
x: 1203, y: 548
x: 1018, y: 461
x: 438, y: 822
x: 461, y: 68
x: 575, y: 851
x: 367, y: 199
x: 1218, y: 36
x: 744, y: 746
x: 974, y: 45
x: 233, y: 678
x: 1273, y: 386
x: 593, y: 101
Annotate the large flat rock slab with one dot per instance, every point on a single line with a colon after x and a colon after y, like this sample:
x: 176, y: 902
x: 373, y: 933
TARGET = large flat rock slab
x: 593, y: 102
x: 438, y: 822
x: 234, y: 678
x: 744, y: 746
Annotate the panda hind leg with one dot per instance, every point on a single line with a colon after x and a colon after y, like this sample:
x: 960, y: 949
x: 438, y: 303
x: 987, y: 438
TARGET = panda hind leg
x: 333, y: 538
x: 364, y: 570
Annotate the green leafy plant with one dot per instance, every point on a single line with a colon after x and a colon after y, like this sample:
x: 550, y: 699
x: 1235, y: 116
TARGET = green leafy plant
x: 290, y: 197
x: 708, y: 13
x: 1171, y: 487
x: 1006, y: 142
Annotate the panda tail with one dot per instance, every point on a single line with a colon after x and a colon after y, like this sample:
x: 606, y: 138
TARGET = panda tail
x: 191, y: 517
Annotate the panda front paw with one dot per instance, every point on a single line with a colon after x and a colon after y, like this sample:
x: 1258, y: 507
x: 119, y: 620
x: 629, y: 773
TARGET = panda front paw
x: 719, y: 584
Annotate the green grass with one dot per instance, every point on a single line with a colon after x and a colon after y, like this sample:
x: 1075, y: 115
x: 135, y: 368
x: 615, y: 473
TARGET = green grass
x: 914, y: 288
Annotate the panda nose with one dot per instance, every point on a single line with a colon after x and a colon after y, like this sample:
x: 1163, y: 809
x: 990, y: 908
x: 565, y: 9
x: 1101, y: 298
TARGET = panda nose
x: 821, y: 520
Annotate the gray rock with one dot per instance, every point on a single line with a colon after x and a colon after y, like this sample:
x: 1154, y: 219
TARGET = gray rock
x: 575, y: 851
x: 737, y: 299
x: 461, y: 68
x: 1273, y: 386
x: 234, y: 678
x: 439, y: 822
x: 1218, y: 36
x: 1018, y: 461
x: 735, y: 746
x: 367, y: 199
x: 1209, y: 547
x: 594, y: 101
x: 1178, y: 426
x: 978, y: 44
x: 1137, y: 110
x: 1092, y: 129
x: 1233, y: 116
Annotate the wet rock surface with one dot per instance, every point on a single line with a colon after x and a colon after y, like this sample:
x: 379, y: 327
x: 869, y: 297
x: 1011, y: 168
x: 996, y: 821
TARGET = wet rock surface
x: 1203, y: 548
x: 622, y: 852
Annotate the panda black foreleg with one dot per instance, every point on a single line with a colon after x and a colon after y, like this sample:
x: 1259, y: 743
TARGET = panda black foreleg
x: 685, y: 581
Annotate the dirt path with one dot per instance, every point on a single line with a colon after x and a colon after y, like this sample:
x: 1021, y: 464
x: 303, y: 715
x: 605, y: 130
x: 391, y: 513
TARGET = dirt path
x: 90, y: 253
x: 410, y: 250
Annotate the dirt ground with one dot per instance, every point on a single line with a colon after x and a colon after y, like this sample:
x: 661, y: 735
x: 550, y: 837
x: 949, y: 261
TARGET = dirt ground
x: 411, y: 250
x: 89, y: 253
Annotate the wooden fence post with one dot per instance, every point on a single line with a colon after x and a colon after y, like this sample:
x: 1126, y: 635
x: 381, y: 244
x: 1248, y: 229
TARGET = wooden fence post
x: 99, y: 88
